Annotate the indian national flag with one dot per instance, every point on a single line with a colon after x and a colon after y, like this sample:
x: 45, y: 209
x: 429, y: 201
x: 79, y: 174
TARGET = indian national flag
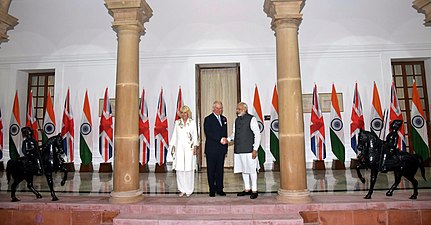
x: 376, y: 118
x: 274, y: 141
x: 336, y: 128
x: 31, y: 117
x: 419, y: 133
x: 86, y: 133
x: 49, y: 119
x: 257, y: 112
x: 15, y: 131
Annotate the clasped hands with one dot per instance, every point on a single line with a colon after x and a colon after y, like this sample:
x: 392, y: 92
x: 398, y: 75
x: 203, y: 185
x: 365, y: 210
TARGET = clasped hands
x: 224, y: 141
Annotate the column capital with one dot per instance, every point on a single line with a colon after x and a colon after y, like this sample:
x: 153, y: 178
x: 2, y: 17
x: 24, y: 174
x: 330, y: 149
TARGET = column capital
x: 424, y: 6
x: 7, y: 22
x: 284, y: 13
x: 129, y: 14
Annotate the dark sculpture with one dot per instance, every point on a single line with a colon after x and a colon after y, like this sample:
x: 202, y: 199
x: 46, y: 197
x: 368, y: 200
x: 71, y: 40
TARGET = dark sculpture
x: 374, y: 151
x: 24, y: 168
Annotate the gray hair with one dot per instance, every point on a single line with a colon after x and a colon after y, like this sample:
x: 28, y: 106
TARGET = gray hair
x: 243, y: 104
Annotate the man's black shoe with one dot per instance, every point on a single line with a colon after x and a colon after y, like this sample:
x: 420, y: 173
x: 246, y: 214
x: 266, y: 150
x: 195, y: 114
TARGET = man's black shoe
x: 254, y: 195
x: 221, y: 193
x: 244, y: 193
x: 212, y: 194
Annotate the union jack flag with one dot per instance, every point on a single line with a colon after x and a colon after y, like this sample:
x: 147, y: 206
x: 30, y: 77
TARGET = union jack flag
x: 396, y: 114
x: 144, y: 131
x: 68, y: 128
x: 317, y: 128
x: 30, y: 118
x: 356, y: 120
x: 106, y: 130
x: 161, y: 131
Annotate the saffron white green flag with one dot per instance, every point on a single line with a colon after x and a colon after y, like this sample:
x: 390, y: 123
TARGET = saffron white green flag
x: 15, y: 131
x: 48, y: 120
x: 336, y: 128
x: 86, y: 133
x: 419, y: 128
x: 376, y: 118
x: 274, y: 142
x: 257, y: 112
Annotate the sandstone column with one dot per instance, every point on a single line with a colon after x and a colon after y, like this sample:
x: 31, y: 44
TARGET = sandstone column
x: 286, y: 18
x: 129, y: 18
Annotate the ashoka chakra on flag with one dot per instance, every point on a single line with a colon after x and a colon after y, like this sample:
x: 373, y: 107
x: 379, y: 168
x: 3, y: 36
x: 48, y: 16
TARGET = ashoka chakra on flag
x: 261, y: 126
x: 274, y: 125
x: 14, y: 129
x: 377, y: 124
x: 418, y: 122
x: 85, y: 128
x: 336, y: 124
x: 49, y: 128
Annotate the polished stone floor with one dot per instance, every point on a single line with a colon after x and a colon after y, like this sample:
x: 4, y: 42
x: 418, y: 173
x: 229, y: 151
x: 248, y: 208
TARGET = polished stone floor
x: 153, y: 184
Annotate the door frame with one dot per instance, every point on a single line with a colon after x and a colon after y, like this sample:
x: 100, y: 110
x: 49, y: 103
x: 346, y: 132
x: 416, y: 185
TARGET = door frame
x: 198, y: 69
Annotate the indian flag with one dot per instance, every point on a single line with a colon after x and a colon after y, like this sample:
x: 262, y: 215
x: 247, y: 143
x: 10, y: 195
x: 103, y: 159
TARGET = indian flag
x: 336, y: 128
x: 15, y: 131
x: 274, y: 142
x: 257, y: 112
x: 86, y: 133
x: 49, y: 119
x: 419, y: 128
x: 376, y: 118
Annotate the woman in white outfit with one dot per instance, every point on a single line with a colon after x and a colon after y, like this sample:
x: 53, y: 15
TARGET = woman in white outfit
x: 183, y: 146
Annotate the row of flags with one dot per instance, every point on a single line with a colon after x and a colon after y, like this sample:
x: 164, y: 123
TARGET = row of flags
x: 377, y: 123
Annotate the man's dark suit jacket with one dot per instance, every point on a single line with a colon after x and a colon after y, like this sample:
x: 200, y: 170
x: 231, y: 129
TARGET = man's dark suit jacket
x: 214, y: 132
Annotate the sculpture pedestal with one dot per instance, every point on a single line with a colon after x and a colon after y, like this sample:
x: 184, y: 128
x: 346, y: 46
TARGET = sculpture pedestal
x: 105, y: 167
x: 86, y: 168
x: 143, y: 168
x: 1, y: 166
x: 318, y: 165
x: 70, y: 167
x: 353, y: 163
x: 338, y: 165
x: 160, y: 168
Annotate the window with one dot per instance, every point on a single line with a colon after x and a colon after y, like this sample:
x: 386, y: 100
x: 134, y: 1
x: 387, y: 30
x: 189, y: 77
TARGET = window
x: 404, y: 73
x: 39, y: 83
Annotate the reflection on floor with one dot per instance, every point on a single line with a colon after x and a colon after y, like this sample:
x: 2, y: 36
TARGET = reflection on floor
x: 153, y: 184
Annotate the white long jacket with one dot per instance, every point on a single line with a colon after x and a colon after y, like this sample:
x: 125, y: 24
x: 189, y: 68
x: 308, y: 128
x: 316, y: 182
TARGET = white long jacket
x: 184, y: 138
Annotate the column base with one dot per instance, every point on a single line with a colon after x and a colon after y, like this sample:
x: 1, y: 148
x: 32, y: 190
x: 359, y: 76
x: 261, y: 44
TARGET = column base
x: 125, y: 197
x: 294, y: 197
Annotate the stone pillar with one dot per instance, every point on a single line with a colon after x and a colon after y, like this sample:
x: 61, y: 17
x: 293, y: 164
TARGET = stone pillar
x: 424, y: 6
x: 286, y: 18
x: 129, y: 18
x: 7, y: 22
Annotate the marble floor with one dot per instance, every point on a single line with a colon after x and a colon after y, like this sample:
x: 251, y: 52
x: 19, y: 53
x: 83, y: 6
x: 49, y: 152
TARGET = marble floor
x: 154, y: 184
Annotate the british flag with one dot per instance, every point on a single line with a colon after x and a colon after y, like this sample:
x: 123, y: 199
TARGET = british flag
x: 356, y: 119
x: 144, y: 131
x: 317, y: 128
x: 106, y: 130
x: 161, y: 131
x: 30, y: 118
x: 396, y: 114
x: 68, y: 128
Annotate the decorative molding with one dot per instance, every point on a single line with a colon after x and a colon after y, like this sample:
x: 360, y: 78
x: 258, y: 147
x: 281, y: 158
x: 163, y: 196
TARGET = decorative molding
x: 284, y: 12
x: 7, y: 22
x: 424, y: 6
x: 252, y: 53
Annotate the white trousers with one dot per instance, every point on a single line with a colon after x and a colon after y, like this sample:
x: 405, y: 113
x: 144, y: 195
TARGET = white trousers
x: 185, y: 181
x: 247, y: 177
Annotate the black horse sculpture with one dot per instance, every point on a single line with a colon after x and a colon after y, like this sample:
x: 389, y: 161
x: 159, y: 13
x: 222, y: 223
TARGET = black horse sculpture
x: 371, y: 157
x: 51, y: 160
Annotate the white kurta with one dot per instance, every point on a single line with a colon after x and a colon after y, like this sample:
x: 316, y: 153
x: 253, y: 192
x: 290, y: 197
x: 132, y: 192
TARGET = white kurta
x: 184, y: 138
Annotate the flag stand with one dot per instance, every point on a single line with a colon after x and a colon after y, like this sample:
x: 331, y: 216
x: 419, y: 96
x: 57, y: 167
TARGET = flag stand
x: 426, y: 163
x: 160, y: 168
x: 1, y: 166
x: 70, y: 166
x: 338, y: 165
x: 143, y: 168
x: 262, y: 168
x: 105, y: 167
x: 318, y: 165
x: 276, y: 167
x: 354, y: 163
x: 86, y: 168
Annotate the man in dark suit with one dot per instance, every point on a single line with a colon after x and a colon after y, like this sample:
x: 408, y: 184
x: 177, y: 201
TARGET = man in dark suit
x: 215, y: 128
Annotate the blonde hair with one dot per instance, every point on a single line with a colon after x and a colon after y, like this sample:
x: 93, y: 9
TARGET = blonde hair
x: 187, y: 110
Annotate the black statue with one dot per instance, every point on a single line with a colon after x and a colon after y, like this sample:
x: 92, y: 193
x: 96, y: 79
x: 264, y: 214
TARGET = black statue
x: 372, y: 154
x: 31, y: 151
x: 51, y: 159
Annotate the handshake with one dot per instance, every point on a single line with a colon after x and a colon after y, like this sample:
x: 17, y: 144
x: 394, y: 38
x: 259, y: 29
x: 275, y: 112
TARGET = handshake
x: 224, y: 141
